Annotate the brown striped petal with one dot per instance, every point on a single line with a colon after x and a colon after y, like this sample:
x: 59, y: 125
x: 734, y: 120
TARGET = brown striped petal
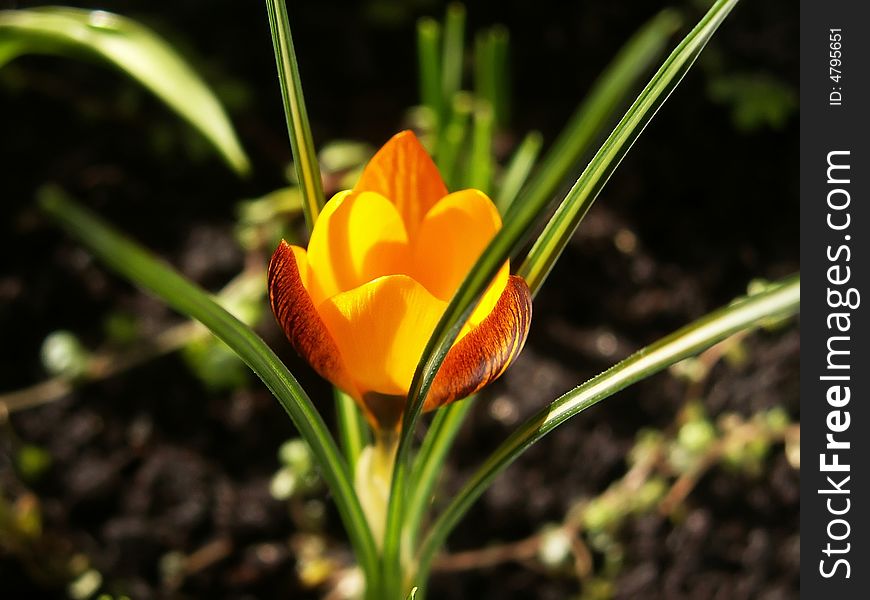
x: 487, y: 351
x: 295, y: 312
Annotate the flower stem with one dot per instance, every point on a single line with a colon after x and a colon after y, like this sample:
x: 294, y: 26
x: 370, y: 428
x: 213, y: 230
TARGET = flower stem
x: 374, y: 472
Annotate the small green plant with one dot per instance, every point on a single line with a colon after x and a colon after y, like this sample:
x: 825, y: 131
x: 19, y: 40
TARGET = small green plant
x: 380, y: 479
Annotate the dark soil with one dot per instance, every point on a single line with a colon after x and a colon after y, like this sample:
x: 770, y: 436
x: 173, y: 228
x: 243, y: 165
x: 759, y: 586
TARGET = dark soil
x: 152, y: 462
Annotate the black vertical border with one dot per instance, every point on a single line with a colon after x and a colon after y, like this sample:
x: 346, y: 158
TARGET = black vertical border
x: 826, y: 128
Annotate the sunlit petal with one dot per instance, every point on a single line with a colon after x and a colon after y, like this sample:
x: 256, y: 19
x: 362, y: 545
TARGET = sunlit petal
x: 403, y: 172
x: 451, y: 238
x: 383, y: 262
x: 381, y: 329
x: 358, y: 237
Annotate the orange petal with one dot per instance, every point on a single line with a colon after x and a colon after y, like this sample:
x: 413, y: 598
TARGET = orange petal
x: 357, y: 238
x: 488, y: 350
x: 381, y: 329
x: 451, y: 238
x: 297, y: 316
x: 403, y: 172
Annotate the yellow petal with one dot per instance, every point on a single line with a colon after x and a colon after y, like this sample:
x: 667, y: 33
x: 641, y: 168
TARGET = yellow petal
x: 488, y: 350
x: 451, y: 238
x: 357, y: 238
x: 297, y: 316
x: 403, y: 172
x: 381, y: 329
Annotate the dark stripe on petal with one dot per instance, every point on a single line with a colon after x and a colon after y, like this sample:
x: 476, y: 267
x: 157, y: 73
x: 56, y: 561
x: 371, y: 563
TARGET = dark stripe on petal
x: 488, y: 350
x: 295, y: 312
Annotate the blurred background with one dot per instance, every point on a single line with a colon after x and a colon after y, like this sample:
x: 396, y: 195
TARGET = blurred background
x: 139, y: 458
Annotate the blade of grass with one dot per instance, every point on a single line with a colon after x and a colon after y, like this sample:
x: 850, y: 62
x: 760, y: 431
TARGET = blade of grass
x: 352, y: 429
x: 500, y: 42
x: 608, y: 93
x: 136, y: 264
x: 453, y: 51
x: 778, y: 300
x: 549, y: 245
x: 505, y: 245
x: 429, y: 65
x: 479, y: 170
x: 132, y: 49
x: 453, y: 138
x: 518, y: 170
x: 301, y: 141
x: 491, y: 72
x: 429, y: 462
x: 484, y: 77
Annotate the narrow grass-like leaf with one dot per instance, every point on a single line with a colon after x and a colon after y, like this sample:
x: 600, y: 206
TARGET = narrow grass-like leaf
x: 353, y: 432
x: 491, y: 71
x: 301, y: 141
x: 518, y: 170
x: 136, y: 264
x: 133, y: 49
x: 549, y: 245
x: 479, y: 169
x: 608, y: 94
x: 505, y: 245
x: 453, y: 51
x: 429, y: 462
x: 484, y: 77
x: 779, y: 300
x: 452, y: 139
x: 499, y: 46
x: 429, y: 66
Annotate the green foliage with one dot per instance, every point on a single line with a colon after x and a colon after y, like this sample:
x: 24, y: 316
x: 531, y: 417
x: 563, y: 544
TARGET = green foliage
x: 262, y: 222
x: 464, y: 127
x: 552, y: 241
x: 298, y: 475
x: 779, y: 299
x: 305, y: 160
x: 32, y: 462
x: 215, y: 364
x: 756, y: 101
x: 140, y: 267
x: 131, y: 48
x: 85, y: 585
x: 491, y: 72
x: 121, y: 329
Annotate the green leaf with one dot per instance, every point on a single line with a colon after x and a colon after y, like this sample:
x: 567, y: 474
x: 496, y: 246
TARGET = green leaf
x: 479, y: 169
x: 518, y: 170
x: 301, y: 140
x: 452, y: 138
x: 453, y: 51
x: 756, y: 100
x: 429, y: 462
x: 778, y: 300
x: 133, y: 49
x: 137, y: 265
x: 608, y: 94
x: 353, y: 432
x: 561, y: 227
x: 429, y: 66
x: 505, y: 245
x: 491, y: 71
x: 216, y: 365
